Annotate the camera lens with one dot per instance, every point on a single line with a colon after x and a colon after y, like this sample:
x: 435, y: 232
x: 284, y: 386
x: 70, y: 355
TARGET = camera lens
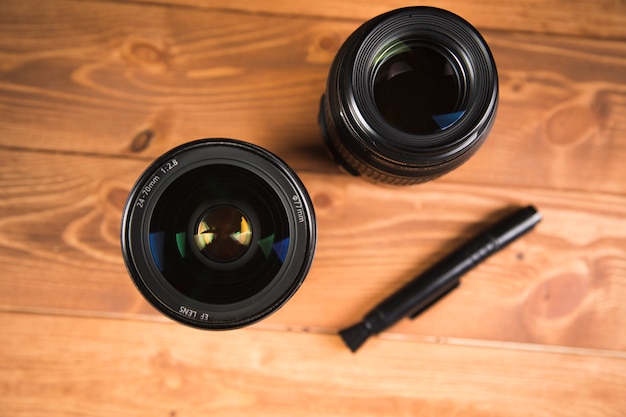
x: 411, y: 95
x: 218, y: 233
x: 416, y: 89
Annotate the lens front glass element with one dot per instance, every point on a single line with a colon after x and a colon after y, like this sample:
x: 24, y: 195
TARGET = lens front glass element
x: 223, y: 234
x: 219, y: 234
x: 417, y: 89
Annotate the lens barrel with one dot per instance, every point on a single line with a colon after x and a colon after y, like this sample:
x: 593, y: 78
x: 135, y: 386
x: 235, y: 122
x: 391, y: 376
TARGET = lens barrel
x: 411, y: 95
x: 218, y: 233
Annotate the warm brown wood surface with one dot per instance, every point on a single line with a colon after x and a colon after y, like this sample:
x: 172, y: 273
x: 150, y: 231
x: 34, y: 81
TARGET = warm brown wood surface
x: 91, y: 92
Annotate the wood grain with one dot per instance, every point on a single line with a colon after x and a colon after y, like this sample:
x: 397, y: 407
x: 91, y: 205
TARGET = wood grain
x: 142, y: 368
x: 588, y: 18
x: 92, y: 91
x: 562, y: 285
x: 151, y: 77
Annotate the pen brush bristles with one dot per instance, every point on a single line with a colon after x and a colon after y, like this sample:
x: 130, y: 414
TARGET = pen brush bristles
x: 355, y: 336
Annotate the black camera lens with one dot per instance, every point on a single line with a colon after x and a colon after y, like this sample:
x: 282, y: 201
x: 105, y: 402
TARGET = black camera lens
x: 417, y: 89
x: 411, y: 95
x: 218, y: 233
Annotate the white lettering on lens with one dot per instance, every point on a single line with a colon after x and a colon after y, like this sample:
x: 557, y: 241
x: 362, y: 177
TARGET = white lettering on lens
x: 141, y: 200
x: 169, y: 166
x: 149, y: 186
x: 187, y: 312
x: 297, y: 203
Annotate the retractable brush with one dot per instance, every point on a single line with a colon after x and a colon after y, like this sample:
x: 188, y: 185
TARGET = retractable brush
x: 429, y: 287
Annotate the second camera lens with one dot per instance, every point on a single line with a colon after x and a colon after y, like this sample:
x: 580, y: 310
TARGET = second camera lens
x: 411, y: 95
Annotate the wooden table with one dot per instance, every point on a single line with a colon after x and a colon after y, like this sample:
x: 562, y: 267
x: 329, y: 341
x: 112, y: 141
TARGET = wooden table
x: 92, y: 91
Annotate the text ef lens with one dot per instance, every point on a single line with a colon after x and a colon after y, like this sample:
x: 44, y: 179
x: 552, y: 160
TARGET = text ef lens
x: 218, y: 233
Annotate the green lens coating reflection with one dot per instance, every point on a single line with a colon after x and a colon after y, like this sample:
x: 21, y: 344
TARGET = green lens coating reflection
x: 180, y: 243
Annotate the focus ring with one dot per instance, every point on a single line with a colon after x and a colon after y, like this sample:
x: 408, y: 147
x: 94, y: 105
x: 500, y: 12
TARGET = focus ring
x: 356, y: 131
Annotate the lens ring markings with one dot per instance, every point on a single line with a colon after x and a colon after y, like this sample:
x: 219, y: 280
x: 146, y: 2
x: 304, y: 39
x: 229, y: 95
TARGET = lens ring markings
x: 142, y: 239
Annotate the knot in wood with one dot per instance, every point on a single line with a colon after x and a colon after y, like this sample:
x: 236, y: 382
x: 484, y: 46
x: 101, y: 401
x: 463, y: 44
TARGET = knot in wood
x: 145, y: 54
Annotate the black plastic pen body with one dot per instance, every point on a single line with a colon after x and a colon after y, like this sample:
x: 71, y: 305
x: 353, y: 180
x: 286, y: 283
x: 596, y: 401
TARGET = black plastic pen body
x: 444, y: 276
x: 420, y: 293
